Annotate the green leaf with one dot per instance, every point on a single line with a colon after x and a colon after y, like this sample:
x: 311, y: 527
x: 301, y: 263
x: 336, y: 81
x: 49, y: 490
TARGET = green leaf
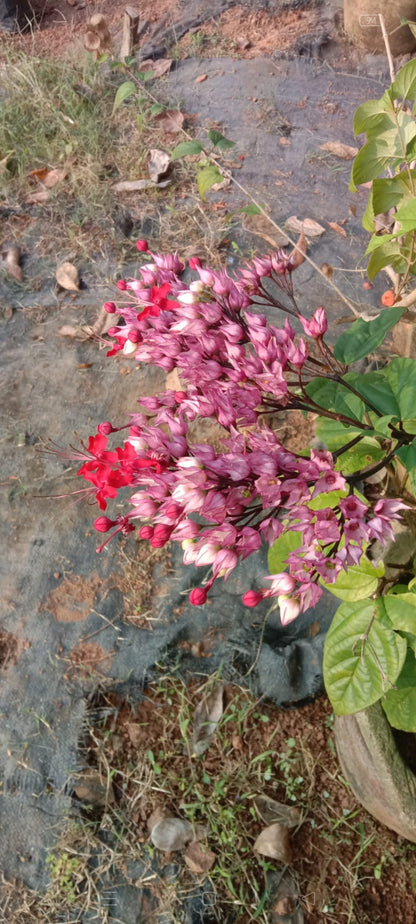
x: 281, y: 548
x: 328, y: 499
x: 407, y: 455
x: 124, y: 92
x: 358, y: 583
x: 333, y: 433
x: 376, y: 389
x: 354, y: 669
x: 185, y: 148
x: 401, y: 375
x: 363, y: 337
x: 379, y: 240
x: 156, y: 109
x: 250, y: 210
x: 387, y: 253
x: 207, y: 177
x: 372, y: 160
x: 381, y: 424
x: 401, y: 610
x: 404, y: 86
x: 406, y: 215
x: 220, y: 141
x: 367, y: 452
x: 400, y: 704
x: 387, y: 193
x: 334, y: 396
x: 367, y: 220
x: 367, y: 114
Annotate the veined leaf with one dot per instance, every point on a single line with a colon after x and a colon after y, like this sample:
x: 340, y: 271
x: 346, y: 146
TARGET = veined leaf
x: 124, y: 92
x: 363, y: 337
x: 370, y: 162
x: 220, y: 141
x: 358, y: 583
x: 400, y: 704
x: 367, y: 114
x: 185, y: 148
x: 404, y: 86
x: 207, y: 177
x: 383, y: 256
x: 360, y: 661
x: 334, y: 396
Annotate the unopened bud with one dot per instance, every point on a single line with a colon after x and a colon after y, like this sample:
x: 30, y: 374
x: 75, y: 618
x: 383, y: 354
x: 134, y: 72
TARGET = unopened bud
x: 142, y: 246
x: 198, y: 596
x: 103, y: 524
x: 110, y: 307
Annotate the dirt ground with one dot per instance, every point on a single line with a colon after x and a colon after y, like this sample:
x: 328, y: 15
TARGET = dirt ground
x: 348, y: 869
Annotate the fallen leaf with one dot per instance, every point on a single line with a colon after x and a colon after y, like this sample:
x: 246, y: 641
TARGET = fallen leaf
x: 170, y: 121
x: 68, y: 331
x: 206, y: 717
x: 283, y: 140
x: 286, y: 901
x: 53, y: 177
x: 132, y: 185
x: 154, y: 818
x: 201, y: 78
x: 67, y: 277
x: 273, y: 842
x: 13, y: 256
x: 171, y: 834
x: 346, y: 151
x: 39, y: 174
x: 310, y: 227
x: 314, y: 628
x: 260, y: 225
x: 94, y: 788
x: 36, y: 198
x: 199, y: 859
x: 158, y: 165
x: 298, y: 253
x: 272, y: 812
x: 158, y: 68
x: 336, y: 227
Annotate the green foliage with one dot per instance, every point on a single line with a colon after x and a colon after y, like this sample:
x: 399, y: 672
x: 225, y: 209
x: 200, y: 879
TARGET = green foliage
x: 124, y: 92
x: 207, y: 177
x: 390, y: 148
x: 363, y: 337
x: 185, y: 148
x: 362, y: 658
x: 358, y: 583
x: 220, y: 141
x: 281, y: 548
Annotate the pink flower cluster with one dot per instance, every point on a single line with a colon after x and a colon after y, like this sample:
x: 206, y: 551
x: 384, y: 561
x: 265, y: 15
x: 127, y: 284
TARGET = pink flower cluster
x: 233, y: 364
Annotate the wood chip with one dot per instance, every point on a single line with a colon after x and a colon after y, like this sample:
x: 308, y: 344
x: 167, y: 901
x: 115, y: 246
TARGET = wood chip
x: 336, y: 227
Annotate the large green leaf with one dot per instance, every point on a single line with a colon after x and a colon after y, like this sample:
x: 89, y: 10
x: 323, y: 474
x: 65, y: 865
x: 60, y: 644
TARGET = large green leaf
x: 401, y: 610
x: 376, y: 390
x: 387, y: 192
x: 404, y: 86
x: 400, y: 704
x: 359, y: 661
x: 401, y: 375
x: 388, y: 252
x: 334, y: 434
x: 207, y: 177
x: 358, y: 583
x: 363, y: 337
x: 406, y: 215
x: 372, y: 160
x: 334, y: 396
x: 281, y: 548
x: 367, y: 114
x: 367, y: 452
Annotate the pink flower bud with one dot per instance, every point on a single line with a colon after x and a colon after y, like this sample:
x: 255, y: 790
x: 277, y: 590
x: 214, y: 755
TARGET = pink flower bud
x: 110, y: 307
x: 194, y: 263
x: 252, y: 598
x: 161, y: 536
x: 146, y: 532
x: 198, y: 596
x: 121, y: 285
x: 103, y: 524
x: 105, y: 428
x: 134, y: 336
x: 142, y: 246
x: 180, y: 396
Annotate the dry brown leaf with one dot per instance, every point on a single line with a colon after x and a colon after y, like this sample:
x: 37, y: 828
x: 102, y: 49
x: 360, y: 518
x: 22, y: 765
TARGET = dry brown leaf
x: 159, y: 68
x: 206, y: 717
x: 272, y: 812
x: 170, y: 121
x: 158, y: 165
x: 298, y: 253
x: 54, y: 176
x: 310, y: 227
x: 132, y: 185
x: 67, y: 277
x: 13, y: 256
x: 222, y: 185
x: 38, y: 197
x: 171, y: 834
x: 201, y: 78
x: 273, y: 842
x: 199, y: 859
x: 336, y: 227
x: 346, y: 151
x: 94, y: 788
x: 68, y: 331
x: 260, y: 225
x: 39, y: 174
